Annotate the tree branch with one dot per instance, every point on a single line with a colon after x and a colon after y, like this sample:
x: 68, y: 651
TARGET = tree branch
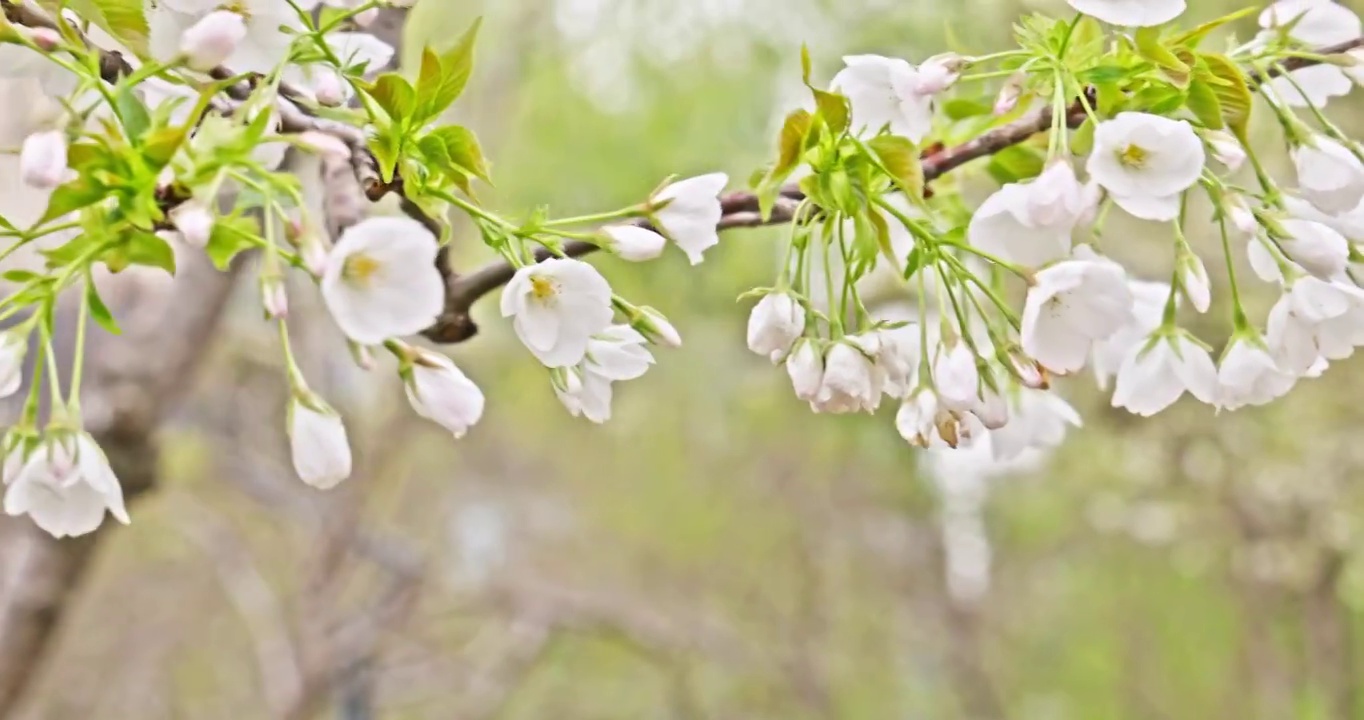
x: 741, y: 208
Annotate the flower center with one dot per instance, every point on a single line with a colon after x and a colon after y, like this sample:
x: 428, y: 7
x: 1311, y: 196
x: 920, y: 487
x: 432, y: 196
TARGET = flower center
x: 360, y: 268
x: 241, y: 7
x: 543, y: 288
x: 1133, y: 156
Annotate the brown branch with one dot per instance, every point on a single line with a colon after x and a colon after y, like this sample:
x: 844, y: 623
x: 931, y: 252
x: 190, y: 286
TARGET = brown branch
x: 740, y: 208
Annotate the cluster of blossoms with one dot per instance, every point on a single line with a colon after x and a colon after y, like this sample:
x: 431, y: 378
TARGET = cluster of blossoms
x: 1141, y: 119
x: 172, y: 139
x: 174, y: 142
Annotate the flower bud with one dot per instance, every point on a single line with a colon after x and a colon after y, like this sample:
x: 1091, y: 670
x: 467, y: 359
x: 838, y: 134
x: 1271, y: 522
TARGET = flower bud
x: 806, y: 367
x: 46, y: 39
x: 274, y: 298
x: 939, y: 73
x: 1029, y: 372
x: 957, y: 378
x: 1240, y: 215
x: 42, y: 160
x: 439, y: 391
x: 776, y: 322
x: 1226, y: 149
x: 633, y: 243
x: 1010, y: 94
x: 317, y: 442
x: 211, y: 41
x: 328, y: 88
x: 992, y: 410
x: 651, y: 324
x: 1193, y: 278
x: 13, y: 348
x: 194, y: 222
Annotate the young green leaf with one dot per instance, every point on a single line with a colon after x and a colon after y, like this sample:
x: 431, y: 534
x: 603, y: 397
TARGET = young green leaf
x: 99, y: 312
x: 833, y: 109
x: 395, y: 95
x: 231, y: 235
x: 136, y: 120
x: 900, y: 158
x: 440, y: 90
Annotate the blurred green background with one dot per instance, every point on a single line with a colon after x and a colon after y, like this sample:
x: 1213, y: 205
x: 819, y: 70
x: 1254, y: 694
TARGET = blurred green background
x: 716, y: 551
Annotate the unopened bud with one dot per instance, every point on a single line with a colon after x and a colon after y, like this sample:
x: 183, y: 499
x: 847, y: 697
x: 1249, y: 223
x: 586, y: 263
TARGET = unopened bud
x: 328, y: 88
x: 312, y: 249
x: 211, y: 41
x: 1240, y: 215
x: 42, y: 160
x: 1226, y: 149
x: 1029, y: 372
x: 939, y: 73
x: 651, y: 324
x: 194, y: 222
x: 274, y: 298
x: 46, y: 39
x: 1010, y: 94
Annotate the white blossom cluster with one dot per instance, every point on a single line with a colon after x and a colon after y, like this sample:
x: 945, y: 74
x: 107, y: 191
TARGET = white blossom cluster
x: 969, y: 367
x: 171, y: 138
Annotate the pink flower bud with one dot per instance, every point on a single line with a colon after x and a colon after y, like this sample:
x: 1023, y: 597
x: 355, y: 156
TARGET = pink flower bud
x: 328, y: 88
x: 194, y: 222
x: 939, y: 73
x: 211, y: 41
x: 42, y: 160
x: 1010, y: 94
x: 274, y: 298
x: 46, y: 39
x: 367, y: 17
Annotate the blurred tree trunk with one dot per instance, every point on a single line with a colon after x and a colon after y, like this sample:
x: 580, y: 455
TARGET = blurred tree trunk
x: 132, y: 382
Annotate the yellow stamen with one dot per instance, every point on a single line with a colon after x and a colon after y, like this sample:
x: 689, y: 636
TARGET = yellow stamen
x: 543, y: 288
x: 360, y: 268
x: 1133, y: 156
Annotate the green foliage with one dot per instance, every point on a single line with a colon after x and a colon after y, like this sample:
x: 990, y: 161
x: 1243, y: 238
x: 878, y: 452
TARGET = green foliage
x: 408, y: 109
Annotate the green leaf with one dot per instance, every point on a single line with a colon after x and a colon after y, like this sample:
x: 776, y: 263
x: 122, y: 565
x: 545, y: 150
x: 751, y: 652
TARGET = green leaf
x: 962, y: 108
x: 231, y: 235
x: 461, y: 145
x: 1016, y: 163
x: 1150, y: 47
x: 395, y: 95
x: 1232, y: 88
x: 99, y: 311
x: 136, y: 121
x: 72, y: 196
x: 124, y: 19
x: 1083, y: 140
x: 387, y: 147
x: 150, y: 249
x: 20, y: 277
x: 1203, y: 103
x: 792, y: 141
x: 440, y: 91
x: 1192, y: 38
x: 805, y: 65
x: 900, y: 158
x: 160, y: 146
x: 834, y: 110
